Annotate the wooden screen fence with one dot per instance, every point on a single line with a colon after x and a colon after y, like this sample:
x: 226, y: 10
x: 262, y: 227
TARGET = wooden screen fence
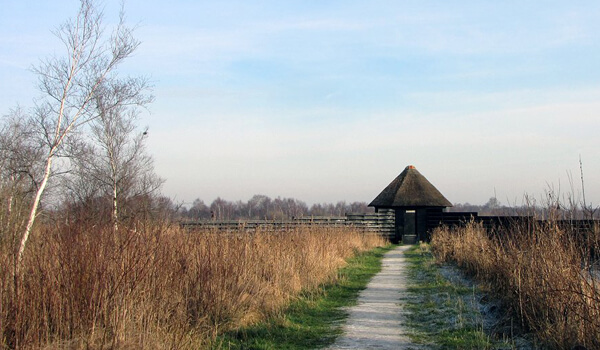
x: 377, y: 223
x: 383, y: 222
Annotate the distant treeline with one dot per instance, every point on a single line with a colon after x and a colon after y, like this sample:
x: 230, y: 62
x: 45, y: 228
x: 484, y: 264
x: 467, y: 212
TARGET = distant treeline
x: 549, y: 208
x: 261, y: 207
x: 492, y: 207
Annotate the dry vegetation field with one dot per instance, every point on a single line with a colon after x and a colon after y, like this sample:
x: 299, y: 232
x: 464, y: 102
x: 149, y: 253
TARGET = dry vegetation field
x: 546, y: 277
x: 160, y: 286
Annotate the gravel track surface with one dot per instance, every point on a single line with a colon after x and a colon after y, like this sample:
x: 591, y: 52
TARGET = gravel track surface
x: 376, y: 322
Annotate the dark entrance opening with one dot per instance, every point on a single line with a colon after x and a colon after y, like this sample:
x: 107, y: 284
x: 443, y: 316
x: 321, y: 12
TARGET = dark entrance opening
x: 410, y: 227
x: 410, y: 234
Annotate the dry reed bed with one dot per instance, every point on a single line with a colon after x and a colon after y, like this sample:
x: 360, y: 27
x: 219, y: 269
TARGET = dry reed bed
x: 160, y: 288
x: 543, y: 274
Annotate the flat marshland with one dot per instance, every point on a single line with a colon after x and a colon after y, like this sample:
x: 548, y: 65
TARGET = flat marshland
x: 158, y: 286
x: 543, y: 272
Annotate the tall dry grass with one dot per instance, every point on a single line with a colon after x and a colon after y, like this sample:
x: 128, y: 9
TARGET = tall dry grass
x: 160, y: 287
x: 544, y: 273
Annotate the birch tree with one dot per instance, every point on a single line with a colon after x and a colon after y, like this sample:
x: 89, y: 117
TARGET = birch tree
x: 114, y: 161
x: 69, y: 85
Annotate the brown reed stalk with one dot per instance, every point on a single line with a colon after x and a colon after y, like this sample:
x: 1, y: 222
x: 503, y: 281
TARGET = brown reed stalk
x: 542, y: 273
x: 160, y: 286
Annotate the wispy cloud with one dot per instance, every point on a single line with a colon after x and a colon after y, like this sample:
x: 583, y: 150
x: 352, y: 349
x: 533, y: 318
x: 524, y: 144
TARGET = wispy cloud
x: 324, y: 100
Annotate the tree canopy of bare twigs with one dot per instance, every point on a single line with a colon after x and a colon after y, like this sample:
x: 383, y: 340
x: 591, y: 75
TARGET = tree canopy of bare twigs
x: 20, y: 172
x: 113, y: 162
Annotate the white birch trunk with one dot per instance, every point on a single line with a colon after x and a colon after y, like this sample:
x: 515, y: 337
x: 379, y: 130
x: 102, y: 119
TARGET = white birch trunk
x: 33, y: 212
x: 115, y: 211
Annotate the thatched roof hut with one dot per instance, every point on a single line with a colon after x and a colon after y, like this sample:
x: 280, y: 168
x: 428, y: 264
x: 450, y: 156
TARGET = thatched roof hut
x: 413, y: 198
x: 410, y: 190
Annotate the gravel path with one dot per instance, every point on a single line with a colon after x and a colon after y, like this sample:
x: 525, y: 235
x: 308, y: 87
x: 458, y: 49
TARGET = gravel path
x: 377, y: 321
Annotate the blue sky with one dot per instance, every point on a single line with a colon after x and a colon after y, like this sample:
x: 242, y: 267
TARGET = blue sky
x: 330, y: 100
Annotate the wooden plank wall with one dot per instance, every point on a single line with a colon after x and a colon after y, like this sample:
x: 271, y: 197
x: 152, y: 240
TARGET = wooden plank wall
x: 383, y: 223
x: 377, y: 223
x: 496, y: 223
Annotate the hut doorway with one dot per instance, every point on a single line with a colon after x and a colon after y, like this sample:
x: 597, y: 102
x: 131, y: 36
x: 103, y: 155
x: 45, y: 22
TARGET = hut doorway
x: 410, y: 234
x: 410, y: 226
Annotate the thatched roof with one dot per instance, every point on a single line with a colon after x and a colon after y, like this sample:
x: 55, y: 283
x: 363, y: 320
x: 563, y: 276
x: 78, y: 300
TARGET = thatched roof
x: 410, y: 190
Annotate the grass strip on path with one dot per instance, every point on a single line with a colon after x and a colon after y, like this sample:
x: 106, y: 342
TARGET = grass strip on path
x: 315, y: 319
x: 442, y: 315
